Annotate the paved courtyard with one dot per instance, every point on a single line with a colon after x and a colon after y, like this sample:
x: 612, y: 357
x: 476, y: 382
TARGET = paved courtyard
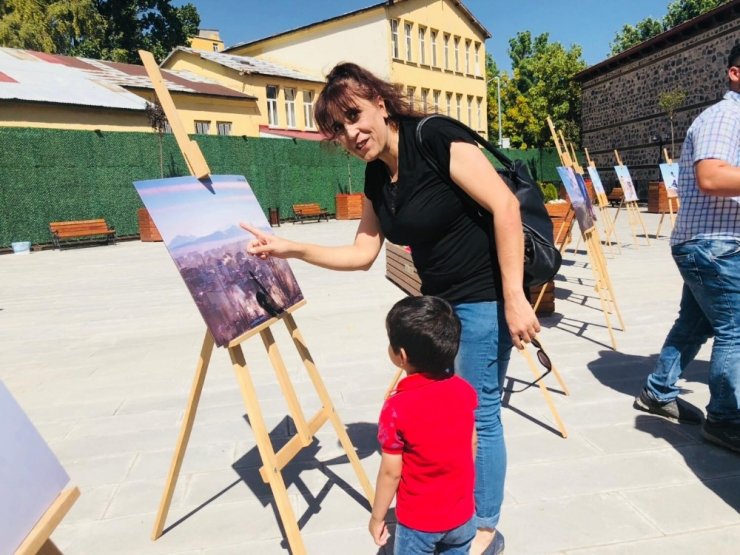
x: 99, y: 347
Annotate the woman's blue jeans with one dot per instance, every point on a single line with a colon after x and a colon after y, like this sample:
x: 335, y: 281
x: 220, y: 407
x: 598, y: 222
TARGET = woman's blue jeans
x: 485, y: 349
x: 710, y: 306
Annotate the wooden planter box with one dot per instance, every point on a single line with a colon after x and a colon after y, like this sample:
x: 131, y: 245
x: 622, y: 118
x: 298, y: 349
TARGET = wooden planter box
x: 400, y: 270
x: 557, y: 212
x: 658, y: 199
x: 349, y: 206
x: 147, y: 230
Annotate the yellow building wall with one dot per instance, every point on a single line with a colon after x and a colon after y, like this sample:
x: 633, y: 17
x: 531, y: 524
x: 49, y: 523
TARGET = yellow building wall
x: 206, y: 44
x: 315, y: 50
x: 64, y: 116
x: 366, y: 39
x: 254, y: 85
x: 465, y: 80
x: 241, y: 113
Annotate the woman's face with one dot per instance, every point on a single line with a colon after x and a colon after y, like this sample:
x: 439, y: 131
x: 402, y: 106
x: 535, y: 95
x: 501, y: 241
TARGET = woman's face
x: 364, y: 131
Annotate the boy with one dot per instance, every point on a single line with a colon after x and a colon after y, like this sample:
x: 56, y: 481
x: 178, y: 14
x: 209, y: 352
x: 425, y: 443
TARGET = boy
x: 426, y: 435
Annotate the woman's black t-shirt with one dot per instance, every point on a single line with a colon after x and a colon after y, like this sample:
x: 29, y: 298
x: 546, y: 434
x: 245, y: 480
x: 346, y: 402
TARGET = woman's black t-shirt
x: 451, y: 245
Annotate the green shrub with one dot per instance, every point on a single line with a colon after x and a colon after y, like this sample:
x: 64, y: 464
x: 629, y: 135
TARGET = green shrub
x: 548, y: 190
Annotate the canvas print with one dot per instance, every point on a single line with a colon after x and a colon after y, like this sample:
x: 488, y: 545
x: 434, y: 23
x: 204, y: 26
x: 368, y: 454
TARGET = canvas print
x: 199, y: 223
x: 669, y: 172
x: 596, y: 180
x: 625, y: 180
x: 578, y: 197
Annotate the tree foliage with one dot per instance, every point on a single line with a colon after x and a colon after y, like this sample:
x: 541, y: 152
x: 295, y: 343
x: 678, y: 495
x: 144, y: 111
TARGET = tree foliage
x: 541, y: 85
x: 106, y: 29
x: 669, y: 102
x: 679, y: 11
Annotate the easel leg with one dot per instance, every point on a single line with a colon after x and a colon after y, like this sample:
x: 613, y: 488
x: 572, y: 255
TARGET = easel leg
x: 266, y: 451
x: 394, y: 383
x: 184, y: 437
x: 326, y: 402
x: 599, y: 271
x: 660, y: 225
x: 546, y: 394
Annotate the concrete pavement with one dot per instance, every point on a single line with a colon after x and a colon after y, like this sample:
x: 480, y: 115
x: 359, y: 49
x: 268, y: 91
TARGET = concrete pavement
x: 99, y: 346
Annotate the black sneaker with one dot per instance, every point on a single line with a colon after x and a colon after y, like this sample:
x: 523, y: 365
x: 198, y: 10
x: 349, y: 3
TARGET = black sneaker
x: 497, y: 545
x: 677, y: 410
x: 722, y: 433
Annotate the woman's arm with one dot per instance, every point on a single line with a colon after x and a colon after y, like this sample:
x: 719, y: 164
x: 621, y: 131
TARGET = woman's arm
x: 473, y: 173
x: 358, y: 256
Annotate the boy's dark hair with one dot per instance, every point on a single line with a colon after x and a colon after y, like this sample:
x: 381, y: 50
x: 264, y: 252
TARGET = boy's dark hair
x: 734, y: 58
x: 428, y: 330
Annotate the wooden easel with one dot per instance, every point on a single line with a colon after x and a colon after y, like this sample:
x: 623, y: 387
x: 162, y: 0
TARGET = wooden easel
x: 606, y: 217
x: 633, y: 211
x: 603, y: 285
x: 672, y: 209
x: 38, y: 540
x: 272, y: 462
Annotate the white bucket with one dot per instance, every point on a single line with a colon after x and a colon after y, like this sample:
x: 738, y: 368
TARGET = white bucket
x: 21, y: 247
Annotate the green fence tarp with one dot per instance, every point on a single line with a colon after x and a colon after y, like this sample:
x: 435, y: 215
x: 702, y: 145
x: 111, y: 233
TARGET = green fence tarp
x: 60, y: 175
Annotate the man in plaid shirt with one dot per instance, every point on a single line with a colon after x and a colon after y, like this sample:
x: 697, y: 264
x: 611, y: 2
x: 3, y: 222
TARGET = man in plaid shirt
x: 705, y: 245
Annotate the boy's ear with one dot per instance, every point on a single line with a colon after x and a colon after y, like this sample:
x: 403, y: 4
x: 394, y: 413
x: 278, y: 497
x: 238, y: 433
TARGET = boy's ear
x: 403, y: 357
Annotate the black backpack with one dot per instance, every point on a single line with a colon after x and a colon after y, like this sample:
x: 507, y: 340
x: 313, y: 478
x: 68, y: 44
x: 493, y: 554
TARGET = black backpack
x: 541, y: 258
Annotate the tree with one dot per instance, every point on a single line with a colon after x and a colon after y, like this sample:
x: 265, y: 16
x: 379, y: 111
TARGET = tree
x: 106, y: 29
x: 679, y: 11
x: 158, y: 121
x: 669, y: 102
x: 541, y: 85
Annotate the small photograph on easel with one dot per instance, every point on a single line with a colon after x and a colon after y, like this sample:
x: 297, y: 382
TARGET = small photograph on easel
x: 578, y: 197
x: 198, y: 221
x: 596, y: 180
x: 625, y: 180
x: 669, y: 172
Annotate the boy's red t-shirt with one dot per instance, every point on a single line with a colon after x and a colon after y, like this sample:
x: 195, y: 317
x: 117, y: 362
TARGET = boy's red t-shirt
x: 430, y: 423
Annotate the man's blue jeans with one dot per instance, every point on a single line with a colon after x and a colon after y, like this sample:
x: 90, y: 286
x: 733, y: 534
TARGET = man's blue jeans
x: 454, y: 542
x: 485, y: 350
x: 710, y: 306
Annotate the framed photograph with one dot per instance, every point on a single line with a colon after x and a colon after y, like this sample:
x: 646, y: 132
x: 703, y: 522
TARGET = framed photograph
x: 625, y: 180
x: 31, y: 477
x: 199, y: 223
x: 596, y: 180
x: 669, y: 172
x: 578, y: 197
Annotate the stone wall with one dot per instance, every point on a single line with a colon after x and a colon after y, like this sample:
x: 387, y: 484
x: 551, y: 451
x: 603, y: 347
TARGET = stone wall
x: 620, y: 95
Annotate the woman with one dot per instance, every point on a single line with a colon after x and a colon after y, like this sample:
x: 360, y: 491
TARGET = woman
x: 474, y: 263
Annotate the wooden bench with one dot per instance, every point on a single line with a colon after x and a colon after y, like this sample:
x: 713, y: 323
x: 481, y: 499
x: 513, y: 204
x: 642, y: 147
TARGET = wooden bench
x: 615, y: 196
x: 310, y: 211
x: 89, y: 230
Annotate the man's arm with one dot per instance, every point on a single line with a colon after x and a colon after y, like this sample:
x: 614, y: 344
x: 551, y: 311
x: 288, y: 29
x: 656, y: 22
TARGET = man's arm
x: 389, y: 475
x: 717, y: 178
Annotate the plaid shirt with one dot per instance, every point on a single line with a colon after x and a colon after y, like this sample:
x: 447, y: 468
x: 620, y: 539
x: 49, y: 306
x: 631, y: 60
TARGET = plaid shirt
x: 714, y: 134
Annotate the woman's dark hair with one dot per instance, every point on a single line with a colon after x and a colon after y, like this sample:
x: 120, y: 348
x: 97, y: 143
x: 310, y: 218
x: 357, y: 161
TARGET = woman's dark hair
x: 428, y: 329
x: 347, y: 81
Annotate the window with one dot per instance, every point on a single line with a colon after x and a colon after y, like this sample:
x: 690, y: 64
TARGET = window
x: 434, y: 48
x: 224, y: 127
x: 411, y: 91
x: 480, y: 113
x: 394, y: 38
x: 167, y: 127
x: 459, y: 107
x: 447, y: 51
x: 424, y: 99
x: 290, y: 107
x: 422, y: 45
x: 470, y: 111
x: 435, y: 101
x: 215, y: 47
x: 449, y: 105
x: 409, y: 55
x: 308, y: 109
x: 467, y: 56
x: 457, y: 53
x: 202, y: 127
x: 477, y: 60
x: 272, y: 113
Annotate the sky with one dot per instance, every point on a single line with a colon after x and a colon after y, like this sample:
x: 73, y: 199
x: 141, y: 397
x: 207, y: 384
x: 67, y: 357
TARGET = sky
x: 589, y: 23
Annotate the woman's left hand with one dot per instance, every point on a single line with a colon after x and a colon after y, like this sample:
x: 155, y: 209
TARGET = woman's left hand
x: 521, y: 319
